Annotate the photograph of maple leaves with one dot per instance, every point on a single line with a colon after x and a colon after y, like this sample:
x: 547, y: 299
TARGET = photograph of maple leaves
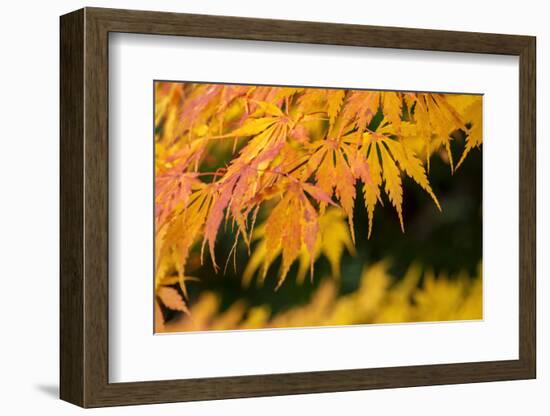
x: 279, y: 207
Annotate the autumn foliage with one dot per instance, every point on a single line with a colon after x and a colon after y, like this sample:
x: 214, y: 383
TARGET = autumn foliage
x: 282, y: 168
x: 377, y: 300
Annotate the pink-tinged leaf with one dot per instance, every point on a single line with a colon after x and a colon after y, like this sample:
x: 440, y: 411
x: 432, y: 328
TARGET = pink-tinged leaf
x: 215, y: 216
x: 172, y: 190
x: 300, y: 134
x: 291, y: 240
x: 318, y: 193
x: 171, y: 298
x: 360, y: 167
x: 270, y: 153
x: 193, y: 107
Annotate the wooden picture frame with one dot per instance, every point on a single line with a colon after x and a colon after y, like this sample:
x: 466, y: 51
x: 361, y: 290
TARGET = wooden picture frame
x: 84, y: 207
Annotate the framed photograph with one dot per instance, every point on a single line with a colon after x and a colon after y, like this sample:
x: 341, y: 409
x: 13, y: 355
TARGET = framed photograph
x: 255, y: 207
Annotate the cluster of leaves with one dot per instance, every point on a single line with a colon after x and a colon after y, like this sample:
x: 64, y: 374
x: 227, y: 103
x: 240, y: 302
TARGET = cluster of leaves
x: 379, y: 299
x: 291, y: 159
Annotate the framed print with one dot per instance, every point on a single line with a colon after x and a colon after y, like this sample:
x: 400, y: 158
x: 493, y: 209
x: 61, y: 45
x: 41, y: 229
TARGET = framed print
x: 256, y: 207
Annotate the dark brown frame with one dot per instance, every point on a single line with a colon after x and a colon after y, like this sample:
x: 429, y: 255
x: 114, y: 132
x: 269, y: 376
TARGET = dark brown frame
x: 84, y: 208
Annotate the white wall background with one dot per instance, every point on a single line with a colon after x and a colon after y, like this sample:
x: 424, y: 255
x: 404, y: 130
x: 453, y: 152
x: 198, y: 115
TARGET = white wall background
x: 29, y: 159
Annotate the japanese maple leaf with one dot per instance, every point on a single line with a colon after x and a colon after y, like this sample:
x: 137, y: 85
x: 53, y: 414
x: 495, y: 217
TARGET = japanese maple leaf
x: 176, y: 237
x: 233, y: 192
x: 293, y: 222
x: 175, y: 179
x: 172, y: 189
x: 359, y: 109
x: 470, y: 108
x: 435, y: 120
x: 333, y: 238
x: 386, y: 158
x: 172, y: 299
x: 241, y: 183
x: 333, y: 173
